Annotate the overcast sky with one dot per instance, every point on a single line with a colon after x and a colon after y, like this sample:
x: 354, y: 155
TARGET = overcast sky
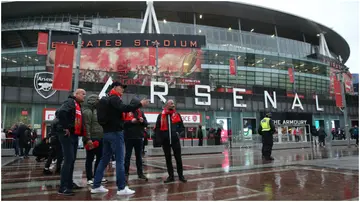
x: 341, y: 15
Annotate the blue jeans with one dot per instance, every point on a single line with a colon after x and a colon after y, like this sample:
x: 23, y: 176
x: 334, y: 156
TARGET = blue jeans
x: 113, y: 143
x: 69, y: 146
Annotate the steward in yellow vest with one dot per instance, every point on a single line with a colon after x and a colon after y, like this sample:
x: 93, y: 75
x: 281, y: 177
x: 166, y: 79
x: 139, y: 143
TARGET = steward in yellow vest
x: 266, y: 130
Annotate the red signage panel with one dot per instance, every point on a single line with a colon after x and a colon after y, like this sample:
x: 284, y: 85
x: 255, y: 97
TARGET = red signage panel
x: 42, y: 45
x: 63, y: 67
x: 291, y: 75
x: 337, y: 91
x: 232, y: 67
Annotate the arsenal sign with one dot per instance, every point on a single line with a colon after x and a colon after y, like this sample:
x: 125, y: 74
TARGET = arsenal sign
x: 43, y: 84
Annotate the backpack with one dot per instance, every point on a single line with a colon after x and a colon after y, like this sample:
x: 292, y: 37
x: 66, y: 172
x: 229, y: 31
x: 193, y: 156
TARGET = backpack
x: 102, y: 109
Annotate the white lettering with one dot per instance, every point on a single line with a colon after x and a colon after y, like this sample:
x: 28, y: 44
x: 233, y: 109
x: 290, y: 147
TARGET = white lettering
x: 296, y: 98
x: 159, y: 94
x: 272, y: 101
x: 45, y: 79
x: 317, y: 104
x: 236, y: 97
x: 207, y: 95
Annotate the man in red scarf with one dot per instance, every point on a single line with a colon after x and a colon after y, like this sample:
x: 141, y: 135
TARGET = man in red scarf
x: 135, y: 122
x: 70, y: 127
x: 168, y: 127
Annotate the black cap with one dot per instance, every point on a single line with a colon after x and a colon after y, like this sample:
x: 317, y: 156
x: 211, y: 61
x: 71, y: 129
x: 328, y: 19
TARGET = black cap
x: 116, y: 83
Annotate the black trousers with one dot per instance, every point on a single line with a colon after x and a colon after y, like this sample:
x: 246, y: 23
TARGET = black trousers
x: 55, y: 153
x: 267, y: 141
x: 175, y: 146
x: 90, y: 155
x: 200, y: 142
x: 131, y: 144
x: 357, y: 139
x: 27, y: 147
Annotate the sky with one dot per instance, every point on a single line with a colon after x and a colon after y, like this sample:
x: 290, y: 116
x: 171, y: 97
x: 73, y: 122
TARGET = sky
x: 340, y: 15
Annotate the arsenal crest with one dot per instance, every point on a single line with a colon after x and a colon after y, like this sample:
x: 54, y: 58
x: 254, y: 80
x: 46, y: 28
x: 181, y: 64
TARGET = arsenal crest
x: 43, y: 84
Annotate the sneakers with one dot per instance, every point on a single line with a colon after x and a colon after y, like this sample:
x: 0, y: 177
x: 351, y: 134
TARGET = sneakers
x: 98, y: 190
x: 90, y: 182
x: 142, y: 176
x: 66, y: 192
x: 104, y: 180
x: 125, y: 191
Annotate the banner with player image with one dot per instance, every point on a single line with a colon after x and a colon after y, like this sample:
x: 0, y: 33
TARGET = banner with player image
x: 131, y: 65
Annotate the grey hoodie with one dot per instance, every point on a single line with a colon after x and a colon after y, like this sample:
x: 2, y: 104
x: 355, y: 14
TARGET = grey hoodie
x: 93, y: 128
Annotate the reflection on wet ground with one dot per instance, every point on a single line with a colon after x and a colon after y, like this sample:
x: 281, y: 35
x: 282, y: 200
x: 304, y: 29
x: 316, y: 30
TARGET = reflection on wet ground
x: 237, y: 174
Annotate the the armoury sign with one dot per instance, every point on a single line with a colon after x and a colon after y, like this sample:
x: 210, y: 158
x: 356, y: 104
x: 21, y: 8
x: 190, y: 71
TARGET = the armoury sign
x: 43, y: 84
x: 290, y: 122
x: 132, y: 40
x: 236, y: 98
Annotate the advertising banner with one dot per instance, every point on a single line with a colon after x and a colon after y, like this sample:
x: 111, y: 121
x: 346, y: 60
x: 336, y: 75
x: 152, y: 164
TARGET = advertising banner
x: 337, y: 91
x: 232, y: 67
x: 291, y: 75
x: 347, y: 80
x: 42, y: 46
x: 63, y: 67
x: 131, y: 66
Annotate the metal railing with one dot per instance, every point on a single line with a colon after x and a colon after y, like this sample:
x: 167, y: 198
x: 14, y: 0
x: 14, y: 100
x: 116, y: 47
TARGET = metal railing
x: 9, y: 143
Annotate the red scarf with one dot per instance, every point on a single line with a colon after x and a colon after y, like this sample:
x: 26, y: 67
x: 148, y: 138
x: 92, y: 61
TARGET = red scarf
x: 130, y: 115
x: 78, y: 119
x: 175, y: 118
x: 114, y: 92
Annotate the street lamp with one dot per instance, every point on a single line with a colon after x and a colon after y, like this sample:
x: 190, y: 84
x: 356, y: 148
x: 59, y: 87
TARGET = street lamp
x: 86, y: 28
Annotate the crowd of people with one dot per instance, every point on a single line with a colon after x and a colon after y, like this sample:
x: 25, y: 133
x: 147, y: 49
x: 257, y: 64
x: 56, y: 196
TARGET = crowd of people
x: 110, y: 130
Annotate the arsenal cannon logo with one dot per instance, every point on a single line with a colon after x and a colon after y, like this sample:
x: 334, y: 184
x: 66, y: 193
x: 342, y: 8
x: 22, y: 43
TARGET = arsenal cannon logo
x: 43, y: 84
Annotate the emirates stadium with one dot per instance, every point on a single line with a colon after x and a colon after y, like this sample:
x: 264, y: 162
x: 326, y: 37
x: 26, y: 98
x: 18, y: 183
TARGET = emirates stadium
x: 225, y: 64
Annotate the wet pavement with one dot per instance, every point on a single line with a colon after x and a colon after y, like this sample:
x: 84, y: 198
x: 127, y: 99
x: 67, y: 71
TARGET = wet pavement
x: 238, y: 174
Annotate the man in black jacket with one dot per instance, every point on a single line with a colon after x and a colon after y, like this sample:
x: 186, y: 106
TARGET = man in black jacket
x: 70, y: 127
x: 113, y: 141
x: 169, y: 125
x: 135, y: 123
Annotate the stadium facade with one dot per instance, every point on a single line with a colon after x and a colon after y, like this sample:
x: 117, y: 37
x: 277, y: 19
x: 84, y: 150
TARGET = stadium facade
x: 196, y: 42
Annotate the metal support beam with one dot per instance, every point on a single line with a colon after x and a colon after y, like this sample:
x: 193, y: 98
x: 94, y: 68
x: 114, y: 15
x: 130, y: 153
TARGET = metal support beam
x: 277, y: 40
x: 241, y: 41
x: 155, y: 20
x: 23, y: 41
x: 150, y: 16
x: 194, y: 19
x: 143, y: 26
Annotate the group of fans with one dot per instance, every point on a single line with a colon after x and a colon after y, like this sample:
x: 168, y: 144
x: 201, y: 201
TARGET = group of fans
x: 106, y: 126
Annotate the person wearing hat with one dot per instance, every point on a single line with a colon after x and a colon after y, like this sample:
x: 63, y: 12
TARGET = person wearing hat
x: 113, y: 141
x: 266, y: 130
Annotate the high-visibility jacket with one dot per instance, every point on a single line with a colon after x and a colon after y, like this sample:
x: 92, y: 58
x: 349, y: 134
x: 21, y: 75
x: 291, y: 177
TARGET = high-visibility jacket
x: 265, y: 124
